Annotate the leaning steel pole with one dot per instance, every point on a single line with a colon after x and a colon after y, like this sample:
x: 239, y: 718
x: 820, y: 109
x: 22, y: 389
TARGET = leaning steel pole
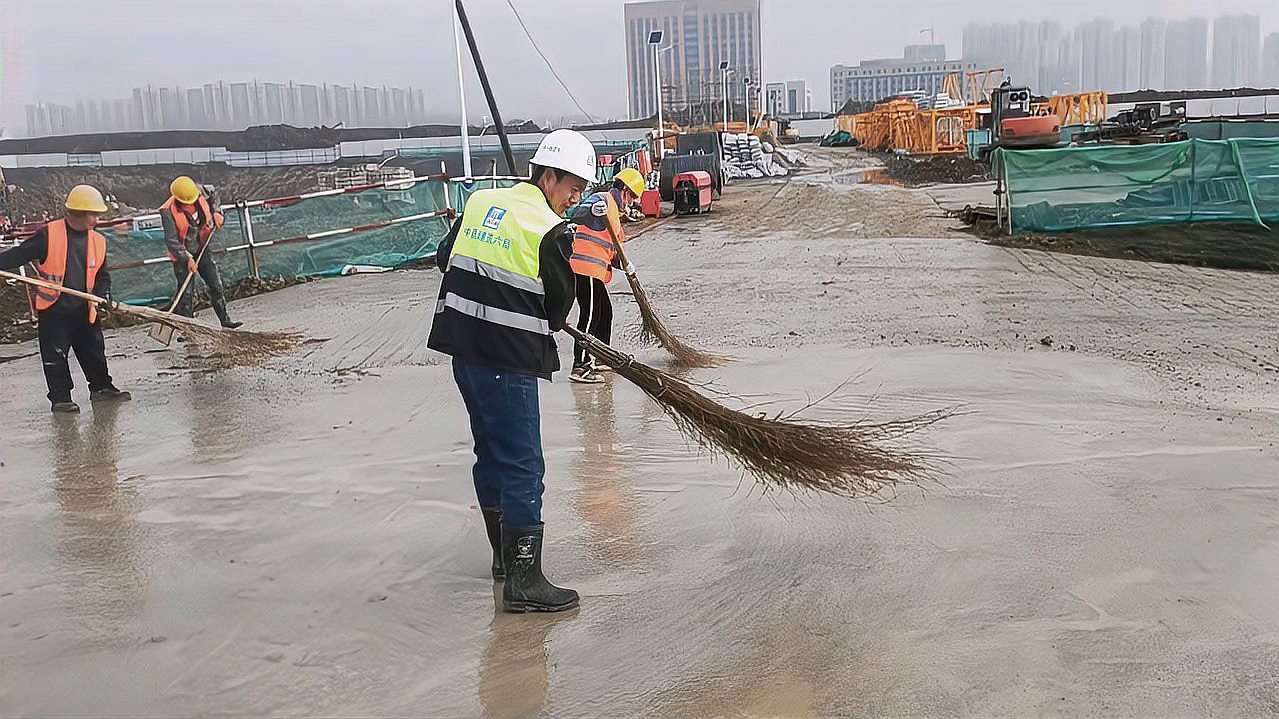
x: 488, y: 90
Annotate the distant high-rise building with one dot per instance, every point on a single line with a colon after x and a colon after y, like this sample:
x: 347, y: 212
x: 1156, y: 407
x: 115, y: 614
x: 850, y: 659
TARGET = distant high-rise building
x: 342, y: 108
x: 309, y: 102
x: 1236, y: 50
x: 875, y: 80
x: 1128, y: 59
x: 1270, y: 60
x: 197, y: 118
x: 1152, y: 54
x: 243, y: 104
x: 1098, y: 53
x: 701, y: 35
x: 1186, y: 54
x: 792, y: 97
x: 172, y: 109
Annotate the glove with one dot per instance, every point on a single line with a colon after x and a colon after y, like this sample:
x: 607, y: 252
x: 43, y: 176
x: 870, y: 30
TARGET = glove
x: 629, y: 269
x: 218, y: 219
x: 191, y: 267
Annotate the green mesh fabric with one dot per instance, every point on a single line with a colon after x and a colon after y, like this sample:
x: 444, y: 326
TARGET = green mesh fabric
x: 1192, y: 181
x: 385, y: 247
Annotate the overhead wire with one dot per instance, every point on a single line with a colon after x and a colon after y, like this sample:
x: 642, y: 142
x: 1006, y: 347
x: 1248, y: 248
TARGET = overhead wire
x: 547, y: 60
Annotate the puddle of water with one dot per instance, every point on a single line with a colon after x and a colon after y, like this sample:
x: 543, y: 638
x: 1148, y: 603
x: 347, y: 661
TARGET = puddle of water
x: 877, y: 176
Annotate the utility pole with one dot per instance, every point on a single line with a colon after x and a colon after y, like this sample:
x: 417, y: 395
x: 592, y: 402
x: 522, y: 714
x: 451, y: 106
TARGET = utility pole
x: 461, y: 93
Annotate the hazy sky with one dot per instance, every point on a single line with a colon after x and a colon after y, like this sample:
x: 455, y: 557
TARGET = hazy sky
x: 60, y: 50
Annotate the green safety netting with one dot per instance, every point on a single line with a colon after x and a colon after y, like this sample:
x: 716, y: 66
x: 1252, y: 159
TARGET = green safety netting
x: 1191, y: 181
x: 384, y: 247
x: 460, y: 191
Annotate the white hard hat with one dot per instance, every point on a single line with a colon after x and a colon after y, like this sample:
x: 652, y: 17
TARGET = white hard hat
x: 567, y: 150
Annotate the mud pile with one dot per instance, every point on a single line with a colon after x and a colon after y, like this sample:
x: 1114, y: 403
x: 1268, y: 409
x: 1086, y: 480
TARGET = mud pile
x: 44, y: 189
x: 913, y: 171
x: 1222, y: 245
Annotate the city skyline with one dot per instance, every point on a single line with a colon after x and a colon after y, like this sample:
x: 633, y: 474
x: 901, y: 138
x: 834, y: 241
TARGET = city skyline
x: 1101, y: 55
x: 223, y: 105
x: 133, y: 46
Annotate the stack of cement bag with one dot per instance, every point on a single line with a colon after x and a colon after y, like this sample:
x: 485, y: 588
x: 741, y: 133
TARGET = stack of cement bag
x: 746, y: 157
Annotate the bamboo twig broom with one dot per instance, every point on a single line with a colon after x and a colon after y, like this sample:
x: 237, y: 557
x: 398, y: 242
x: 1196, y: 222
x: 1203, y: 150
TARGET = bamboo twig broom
x: 227, y: 347
x: 652, y: 329
x: 846, y: 460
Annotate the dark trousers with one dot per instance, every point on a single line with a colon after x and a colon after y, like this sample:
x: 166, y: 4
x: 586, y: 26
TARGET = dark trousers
x: 62, y: 333
x: 594, y: 316
x: 506, y: 423
x: 208, y: 270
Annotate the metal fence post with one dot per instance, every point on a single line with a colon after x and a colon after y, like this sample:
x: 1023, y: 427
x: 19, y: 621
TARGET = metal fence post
x: 246, y: 229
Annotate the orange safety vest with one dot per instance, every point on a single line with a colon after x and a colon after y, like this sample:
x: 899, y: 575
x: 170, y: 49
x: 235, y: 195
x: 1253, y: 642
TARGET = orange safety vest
x: 54, y: 267
x: 183, y: 221
x: 593, y: 250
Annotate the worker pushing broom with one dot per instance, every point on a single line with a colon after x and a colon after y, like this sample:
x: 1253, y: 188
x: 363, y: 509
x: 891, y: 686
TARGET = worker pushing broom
x: 71, y: 293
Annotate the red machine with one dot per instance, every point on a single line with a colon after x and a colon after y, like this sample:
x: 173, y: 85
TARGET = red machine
x: 693, y: 191
x: 651, y: 203
x: 1031, y: 131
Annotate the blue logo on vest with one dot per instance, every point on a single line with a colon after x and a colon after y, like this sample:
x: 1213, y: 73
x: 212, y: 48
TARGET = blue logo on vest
x: 494, y: 217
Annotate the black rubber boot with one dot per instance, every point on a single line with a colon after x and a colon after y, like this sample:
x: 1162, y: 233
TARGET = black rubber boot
x: 493, y: 523
x: 110, y: 394
x: 526, y: 589
x: 67, y: 407
x: 219, y: 308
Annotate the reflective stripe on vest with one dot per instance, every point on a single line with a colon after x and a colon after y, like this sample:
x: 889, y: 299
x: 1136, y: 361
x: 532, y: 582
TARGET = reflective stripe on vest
x: 497, y: 316
x: 183, y: 222
x: 500, y: 240
x: 593, y: 250
x: 493, y: 272
x: 54, y: 267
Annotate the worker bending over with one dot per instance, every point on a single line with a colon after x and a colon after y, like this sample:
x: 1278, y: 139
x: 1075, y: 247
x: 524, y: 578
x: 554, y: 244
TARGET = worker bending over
x: 507, y: 287
x: 70, y: 253
x: 190, y: 217
x: 599, y: 230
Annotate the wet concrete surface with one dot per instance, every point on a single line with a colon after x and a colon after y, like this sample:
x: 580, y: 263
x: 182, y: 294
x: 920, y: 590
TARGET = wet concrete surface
x: 301, y: 539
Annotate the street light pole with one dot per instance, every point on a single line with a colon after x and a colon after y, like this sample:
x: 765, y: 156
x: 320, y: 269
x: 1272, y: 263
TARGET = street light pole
x: 725, y: 70
x: 747, y: 83
x: 654, y: 41
x: 461, y: 93
x: 657, y: 73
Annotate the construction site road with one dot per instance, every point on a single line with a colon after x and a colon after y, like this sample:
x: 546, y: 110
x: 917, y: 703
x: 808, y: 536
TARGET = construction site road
x: 301, y: 538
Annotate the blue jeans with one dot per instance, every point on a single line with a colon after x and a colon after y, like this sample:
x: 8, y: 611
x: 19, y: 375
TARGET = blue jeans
x: 506, y: 422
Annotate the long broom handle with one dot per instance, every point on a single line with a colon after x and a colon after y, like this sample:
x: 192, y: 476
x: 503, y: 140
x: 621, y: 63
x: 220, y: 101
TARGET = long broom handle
x: 190, y: 275
x: 57, y: 288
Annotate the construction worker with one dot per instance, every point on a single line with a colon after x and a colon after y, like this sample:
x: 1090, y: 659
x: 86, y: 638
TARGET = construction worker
x: 70, y: 253
x: 594, y: 257
x: 507, y: 287
x: 190, y: 217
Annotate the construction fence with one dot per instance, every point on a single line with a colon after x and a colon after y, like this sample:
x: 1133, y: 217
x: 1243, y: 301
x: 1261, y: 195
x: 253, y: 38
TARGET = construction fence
x: 1070, y: 188
x: 367, y: 228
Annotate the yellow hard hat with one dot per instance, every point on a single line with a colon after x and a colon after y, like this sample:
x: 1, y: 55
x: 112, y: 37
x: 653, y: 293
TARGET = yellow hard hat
x: 184, y: 190
x: 633, y: 180
x: 85, y: 198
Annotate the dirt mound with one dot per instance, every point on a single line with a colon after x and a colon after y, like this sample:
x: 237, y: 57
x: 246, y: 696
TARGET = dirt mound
x: 43, y: 189
x: 1222, y: 245
x: 15, y: 318
x: 913, y: 170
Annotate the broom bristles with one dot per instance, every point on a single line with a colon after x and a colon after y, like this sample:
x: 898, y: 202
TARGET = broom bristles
x: 653, y: 331
x: 847, y: 460
x: 225, y: 347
